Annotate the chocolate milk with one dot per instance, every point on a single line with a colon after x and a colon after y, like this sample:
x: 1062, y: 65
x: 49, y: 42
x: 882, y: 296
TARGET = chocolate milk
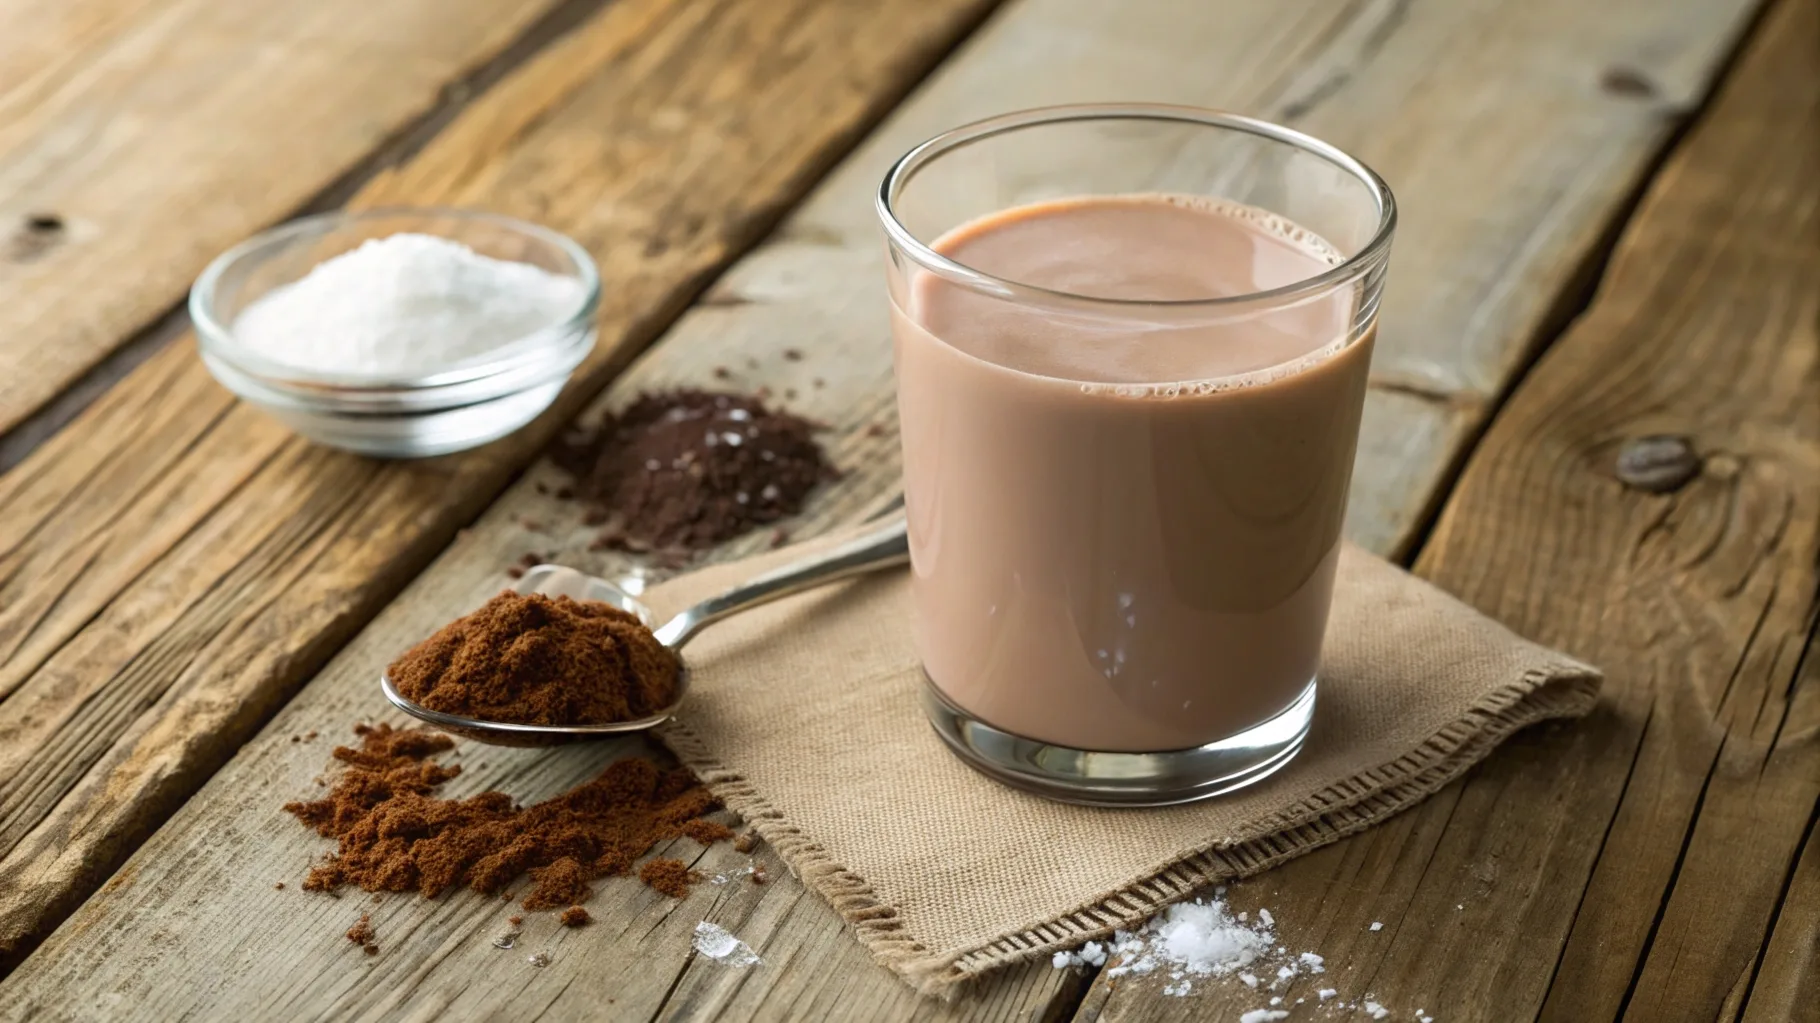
x: 1125, y: 520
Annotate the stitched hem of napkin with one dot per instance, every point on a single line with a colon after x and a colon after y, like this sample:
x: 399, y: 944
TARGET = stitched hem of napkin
x: 1561, y: 690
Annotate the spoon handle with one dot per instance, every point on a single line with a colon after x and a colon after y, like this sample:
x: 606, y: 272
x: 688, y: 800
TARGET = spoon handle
x: 882, y: 547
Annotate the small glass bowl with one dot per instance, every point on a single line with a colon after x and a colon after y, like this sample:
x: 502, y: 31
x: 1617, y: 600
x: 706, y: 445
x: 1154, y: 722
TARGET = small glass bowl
x: 459, y: 406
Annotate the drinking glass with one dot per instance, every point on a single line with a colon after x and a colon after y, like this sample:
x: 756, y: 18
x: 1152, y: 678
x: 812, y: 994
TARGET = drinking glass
x: 1122, y: 573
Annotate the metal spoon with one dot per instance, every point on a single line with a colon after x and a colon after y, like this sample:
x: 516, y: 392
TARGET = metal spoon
x: 877, y: 548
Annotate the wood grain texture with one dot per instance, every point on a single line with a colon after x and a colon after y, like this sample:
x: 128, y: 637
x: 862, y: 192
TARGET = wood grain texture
x: 1786, y: 981
x: 815, y: 286
x: 1638, y: 864
x: 175, y: 565
x: 138, y: 138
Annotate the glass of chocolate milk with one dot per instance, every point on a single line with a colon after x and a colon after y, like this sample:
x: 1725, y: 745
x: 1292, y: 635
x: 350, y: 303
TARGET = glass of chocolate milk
x: 1131, y: 347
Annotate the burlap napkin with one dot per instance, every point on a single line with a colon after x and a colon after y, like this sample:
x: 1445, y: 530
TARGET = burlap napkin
x: 803, y: 716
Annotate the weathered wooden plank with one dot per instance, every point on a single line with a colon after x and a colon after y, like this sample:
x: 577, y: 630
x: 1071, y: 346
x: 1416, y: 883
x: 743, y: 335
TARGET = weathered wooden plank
x: 1786, y: 985
x: 177, y: 564
x: 1631, y: 864
x: 138, y: 138
x: 815, y: 287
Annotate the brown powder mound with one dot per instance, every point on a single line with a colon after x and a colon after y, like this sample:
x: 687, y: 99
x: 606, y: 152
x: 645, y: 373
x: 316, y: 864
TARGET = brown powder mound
x: 707, y: 832
x: 671, y: 877
x: 685, y: 470
x: 394, y: 835
x: 560, y: 884
x: 539, y: 660
x: 575, y: 916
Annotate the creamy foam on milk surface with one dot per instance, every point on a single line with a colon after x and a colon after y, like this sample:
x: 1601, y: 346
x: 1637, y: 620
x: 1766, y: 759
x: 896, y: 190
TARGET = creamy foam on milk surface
x: 1125, y: 519
x: 1161, y: 249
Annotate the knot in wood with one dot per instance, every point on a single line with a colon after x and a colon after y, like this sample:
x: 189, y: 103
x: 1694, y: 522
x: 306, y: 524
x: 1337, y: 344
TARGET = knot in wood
x: 1659, y: 463
x: 1624, y: 81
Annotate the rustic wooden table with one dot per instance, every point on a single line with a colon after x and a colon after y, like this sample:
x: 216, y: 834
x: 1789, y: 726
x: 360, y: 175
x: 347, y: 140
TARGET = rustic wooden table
x: 1611, y: 228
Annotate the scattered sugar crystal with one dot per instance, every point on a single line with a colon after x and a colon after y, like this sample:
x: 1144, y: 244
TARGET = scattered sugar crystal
x: 1460, y: 906
x: 1377, y: 1011
x: 538, y: 959
x: 715, y: 942
x: 1091, y: 954
x: 1203, y: 938
x: 1377, y: 925
x: 1422, y: 1016
x: 1263, y: 1015
x: 1327, y: 992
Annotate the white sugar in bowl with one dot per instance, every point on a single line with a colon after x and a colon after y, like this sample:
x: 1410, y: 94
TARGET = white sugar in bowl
x: 399, y: 333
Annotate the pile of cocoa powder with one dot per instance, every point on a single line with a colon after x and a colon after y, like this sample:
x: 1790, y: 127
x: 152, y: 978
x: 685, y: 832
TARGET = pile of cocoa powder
x: 679, y: 471
x: 539, y: 660
x: 394, y: 834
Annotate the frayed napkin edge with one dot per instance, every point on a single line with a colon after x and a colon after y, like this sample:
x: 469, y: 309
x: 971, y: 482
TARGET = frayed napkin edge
x: 1564, y: 688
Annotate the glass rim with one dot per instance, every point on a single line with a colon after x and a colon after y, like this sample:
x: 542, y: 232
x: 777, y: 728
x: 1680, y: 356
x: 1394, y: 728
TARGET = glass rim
x: 906, y: 166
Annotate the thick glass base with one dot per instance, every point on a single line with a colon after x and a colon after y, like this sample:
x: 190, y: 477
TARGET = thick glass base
x: 1122, y: 779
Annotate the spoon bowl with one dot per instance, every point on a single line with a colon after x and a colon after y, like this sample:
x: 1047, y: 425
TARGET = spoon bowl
x: 881, y: 547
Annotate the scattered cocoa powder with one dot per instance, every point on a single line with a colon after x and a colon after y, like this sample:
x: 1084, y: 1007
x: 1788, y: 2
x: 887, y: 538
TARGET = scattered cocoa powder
x: 515, y: 920
x: 394, y: 835
x: 526, y: 561
x: 707, y: 832
x: 575, y: 916
x: 759, y: 876
x: 671, y: 877
x: 279, y: 886
x: 684, y: 470
x: 540, y: 660
x: 362, y: 934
